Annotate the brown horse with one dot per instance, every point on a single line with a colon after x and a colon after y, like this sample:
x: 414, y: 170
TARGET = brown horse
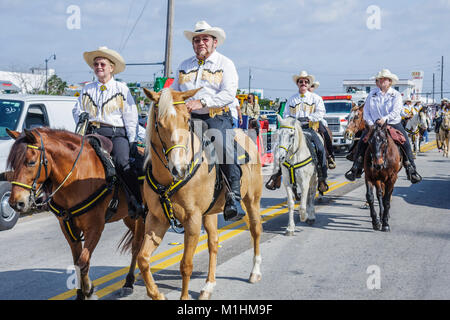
x: 443, y: 134
x: 172, y: 148
x: 382, y: 162
x: 47, y: 157
x: 356, y: 123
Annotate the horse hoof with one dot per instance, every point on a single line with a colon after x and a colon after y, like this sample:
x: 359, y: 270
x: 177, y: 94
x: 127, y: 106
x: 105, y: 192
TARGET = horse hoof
x: 289, y: 233
x: 385, y: 229
x: 254, y: 278
x: 310, y: 221
x: 126, y: 291
x: 204, y: 295
x: 376, y: 226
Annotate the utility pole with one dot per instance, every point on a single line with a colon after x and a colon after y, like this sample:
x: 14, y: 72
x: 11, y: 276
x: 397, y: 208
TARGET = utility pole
x: 249, y: 78
x: 433, y: 88
x: 168, y: 55
x: 46, y: 71
x: 442, y: 77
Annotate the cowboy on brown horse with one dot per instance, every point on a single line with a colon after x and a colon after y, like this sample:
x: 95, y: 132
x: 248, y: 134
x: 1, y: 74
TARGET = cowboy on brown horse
x: 383, y: 105
x: 110, y: 109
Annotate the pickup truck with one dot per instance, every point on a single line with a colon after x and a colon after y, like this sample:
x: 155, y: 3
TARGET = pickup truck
x: 337, y: 110
x: 18, y: 112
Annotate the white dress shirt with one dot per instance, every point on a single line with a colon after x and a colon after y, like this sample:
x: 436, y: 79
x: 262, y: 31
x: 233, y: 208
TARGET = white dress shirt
x: 386, y: 106
x: 110, y: 103
x: 308, y: 105
x: 217, y: 75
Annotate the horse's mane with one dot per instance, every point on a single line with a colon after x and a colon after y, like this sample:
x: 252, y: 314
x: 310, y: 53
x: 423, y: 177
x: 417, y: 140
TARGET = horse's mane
x: 18, y: 150
x: 165, y: 104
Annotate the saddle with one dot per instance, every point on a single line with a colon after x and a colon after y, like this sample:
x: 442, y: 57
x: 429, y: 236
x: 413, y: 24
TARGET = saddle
x: 395, y: 134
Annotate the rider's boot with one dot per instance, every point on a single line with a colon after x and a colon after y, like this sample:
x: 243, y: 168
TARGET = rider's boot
x: 331, y: 162
x: 322, y: 179
x: 356, y: 170
x: 274, y: 181
x: 411, y: 173
x: 233, y: 210
x: 135, y: 204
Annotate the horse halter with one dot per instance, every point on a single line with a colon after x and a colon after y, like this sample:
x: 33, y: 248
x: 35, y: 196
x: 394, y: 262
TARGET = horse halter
x: 34, y: 192
x: 290, y: 147
x: 166, y: 150
x: 384, y: 151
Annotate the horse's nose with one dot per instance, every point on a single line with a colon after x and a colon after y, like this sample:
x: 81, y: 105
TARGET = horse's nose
x: 17, y: 206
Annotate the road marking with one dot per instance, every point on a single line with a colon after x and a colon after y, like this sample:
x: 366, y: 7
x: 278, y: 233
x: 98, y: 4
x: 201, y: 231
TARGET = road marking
x: 281, y: 209
x: 235, y: 227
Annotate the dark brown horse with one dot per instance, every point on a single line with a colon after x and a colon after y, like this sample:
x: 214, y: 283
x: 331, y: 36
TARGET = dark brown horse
x: 46, y: 157
x: 382, y: 162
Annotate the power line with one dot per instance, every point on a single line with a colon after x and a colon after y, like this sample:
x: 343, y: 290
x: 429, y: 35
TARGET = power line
x: 134, y: 26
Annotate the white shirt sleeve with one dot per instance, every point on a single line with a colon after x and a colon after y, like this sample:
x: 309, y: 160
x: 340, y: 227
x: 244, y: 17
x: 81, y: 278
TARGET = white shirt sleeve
x: 76, y: 111
x: 130, y: 116
x: 319, y: 112
x: 366, y: 114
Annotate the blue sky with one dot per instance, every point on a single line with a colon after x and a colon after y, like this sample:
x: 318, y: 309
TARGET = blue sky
x: 276, y: 38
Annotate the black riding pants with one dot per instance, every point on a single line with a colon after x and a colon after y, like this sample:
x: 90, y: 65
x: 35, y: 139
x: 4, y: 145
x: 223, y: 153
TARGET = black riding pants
x: 220, y: 131
x: 327, y: 139
x: 320, y: 150
x: 121, y: 157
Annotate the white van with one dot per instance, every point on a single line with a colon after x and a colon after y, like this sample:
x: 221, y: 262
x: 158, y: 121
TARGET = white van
x: 18, y: 112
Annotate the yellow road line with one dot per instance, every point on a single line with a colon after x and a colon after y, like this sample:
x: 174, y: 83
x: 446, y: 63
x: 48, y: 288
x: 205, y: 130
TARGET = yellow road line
x: 167, y: 263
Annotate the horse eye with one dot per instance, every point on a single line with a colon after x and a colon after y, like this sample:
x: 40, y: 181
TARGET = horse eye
x: 31, y: 164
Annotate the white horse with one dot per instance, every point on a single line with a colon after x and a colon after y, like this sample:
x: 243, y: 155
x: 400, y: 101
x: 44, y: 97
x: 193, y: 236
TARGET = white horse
x: 413, y: 126
x: 298, y: 170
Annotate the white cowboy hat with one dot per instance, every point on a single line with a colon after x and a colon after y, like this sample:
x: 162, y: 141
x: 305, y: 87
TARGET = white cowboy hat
x: 303, y: 74
x: 104, y: 52
x: 202, y: 27
x: 315, y: 84
x: 385, y: 73
x: 407, y: 99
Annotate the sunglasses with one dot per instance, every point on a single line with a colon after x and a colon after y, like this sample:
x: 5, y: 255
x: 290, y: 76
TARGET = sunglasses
x: 303, y: 81
x: 205, y: 39
x: 101, y: 64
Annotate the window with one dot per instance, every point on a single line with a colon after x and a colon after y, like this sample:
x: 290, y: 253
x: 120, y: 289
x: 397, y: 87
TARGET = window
x: 36, y: 117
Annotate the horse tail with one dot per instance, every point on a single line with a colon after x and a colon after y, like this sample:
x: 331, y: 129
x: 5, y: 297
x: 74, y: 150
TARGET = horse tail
x: 126, y: 242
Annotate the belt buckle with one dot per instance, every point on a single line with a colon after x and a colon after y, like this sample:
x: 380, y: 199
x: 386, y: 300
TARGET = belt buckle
x: 96, y: 124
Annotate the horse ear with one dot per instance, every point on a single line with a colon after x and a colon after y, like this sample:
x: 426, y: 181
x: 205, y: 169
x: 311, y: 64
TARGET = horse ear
x: 13, y: 134
x: 152, y: 95
x: 190, y: 93
x: 30, y: 136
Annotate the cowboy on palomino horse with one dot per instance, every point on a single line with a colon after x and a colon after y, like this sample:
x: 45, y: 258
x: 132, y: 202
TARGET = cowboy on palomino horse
x: 384, y: 104
x: 307, y: 106
x: 110, y: 109
x: 217, y: 75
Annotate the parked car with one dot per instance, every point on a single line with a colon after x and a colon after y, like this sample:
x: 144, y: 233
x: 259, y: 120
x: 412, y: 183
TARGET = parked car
x: 18, y: 112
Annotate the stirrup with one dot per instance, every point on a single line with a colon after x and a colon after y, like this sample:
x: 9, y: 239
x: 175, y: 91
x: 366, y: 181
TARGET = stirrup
x: 327, y: 187
x: 331, y: 163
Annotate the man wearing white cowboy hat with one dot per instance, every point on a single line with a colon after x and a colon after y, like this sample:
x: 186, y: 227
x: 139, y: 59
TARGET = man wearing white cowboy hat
x: 216, y: 74
x: 308, y: 106
x: 384, y: 104
x: 315, y: 85
x: 407, y: 111
x: 110, y: 109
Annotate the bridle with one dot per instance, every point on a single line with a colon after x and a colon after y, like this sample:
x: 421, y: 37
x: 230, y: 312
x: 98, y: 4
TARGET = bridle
x: 166, y: 150
x: 384, y: 151
x: 34, y: 191
x: 288, y: 149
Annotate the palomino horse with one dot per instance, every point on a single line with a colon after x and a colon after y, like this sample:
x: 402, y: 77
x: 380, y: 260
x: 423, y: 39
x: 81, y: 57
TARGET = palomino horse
x: 298, y: 171
x: 413, y: 126
x: 173, y: 149
x: 60, y: 160
x: 444, y: 133
x: 382, y: 162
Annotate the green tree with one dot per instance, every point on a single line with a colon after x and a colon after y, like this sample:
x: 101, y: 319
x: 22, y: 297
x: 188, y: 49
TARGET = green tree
x: 56, y: 85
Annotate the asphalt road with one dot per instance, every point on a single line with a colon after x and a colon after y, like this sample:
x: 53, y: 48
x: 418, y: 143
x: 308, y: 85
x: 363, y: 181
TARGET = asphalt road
x: 339, y: 257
